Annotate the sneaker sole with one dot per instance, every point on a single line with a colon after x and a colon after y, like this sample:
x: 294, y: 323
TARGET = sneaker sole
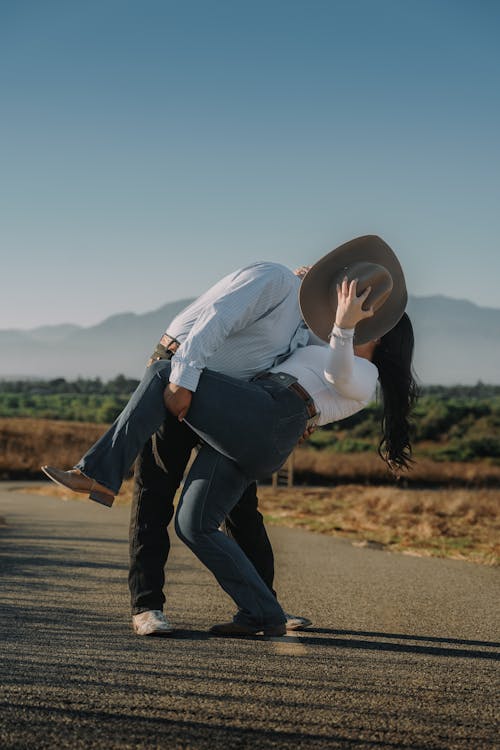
x: 155, y: 633
x: 299, y: 626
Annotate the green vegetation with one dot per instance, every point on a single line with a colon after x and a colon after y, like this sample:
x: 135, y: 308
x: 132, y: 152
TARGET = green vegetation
x: 80, y: 400
x: 459, y: 423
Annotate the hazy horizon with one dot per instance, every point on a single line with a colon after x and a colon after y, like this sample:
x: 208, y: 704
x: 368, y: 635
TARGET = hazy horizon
x: 169, y: 302
x: 441, y: 324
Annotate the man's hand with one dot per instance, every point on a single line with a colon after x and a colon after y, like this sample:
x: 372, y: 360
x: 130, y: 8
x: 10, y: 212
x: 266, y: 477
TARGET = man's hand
x: 177, y: 400
x: 301, y: 271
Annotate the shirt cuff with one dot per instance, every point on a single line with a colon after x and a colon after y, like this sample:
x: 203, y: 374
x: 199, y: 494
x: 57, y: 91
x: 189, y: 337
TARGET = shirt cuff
x: 341, y: 334
x: 185, y: 375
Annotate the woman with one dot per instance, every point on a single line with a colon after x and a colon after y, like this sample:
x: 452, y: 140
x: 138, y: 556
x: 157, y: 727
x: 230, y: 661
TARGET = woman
x: 248, y: 430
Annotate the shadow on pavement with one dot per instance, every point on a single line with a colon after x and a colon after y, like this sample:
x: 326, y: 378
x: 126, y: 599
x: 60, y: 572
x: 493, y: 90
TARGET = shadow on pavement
x: 402, y: 637
x: 306, y: 640
x: 370, y: 645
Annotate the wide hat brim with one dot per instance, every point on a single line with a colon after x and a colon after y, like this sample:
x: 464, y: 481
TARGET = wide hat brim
x: 318, y: 297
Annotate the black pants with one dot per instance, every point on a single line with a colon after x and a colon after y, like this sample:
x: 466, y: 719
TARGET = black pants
x: 158, y: 473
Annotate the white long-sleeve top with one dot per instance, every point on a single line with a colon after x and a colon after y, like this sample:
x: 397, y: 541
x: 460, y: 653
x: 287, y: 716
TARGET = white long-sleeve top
x: 339, y: 382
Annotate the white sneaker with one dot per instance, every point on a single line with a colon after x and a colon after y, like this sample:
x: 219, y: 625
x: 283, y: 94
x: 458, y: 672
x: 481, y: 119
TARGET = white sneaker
x: 293, y: 622
x: 151, y: 622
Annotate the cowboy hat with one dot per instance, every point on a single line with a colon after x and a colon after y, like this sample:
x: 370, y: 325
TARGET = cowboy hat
x: 371, y: 261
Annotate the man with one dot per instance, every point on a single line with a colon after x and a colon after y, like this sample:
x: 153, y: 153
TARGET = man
x: 243, y: 325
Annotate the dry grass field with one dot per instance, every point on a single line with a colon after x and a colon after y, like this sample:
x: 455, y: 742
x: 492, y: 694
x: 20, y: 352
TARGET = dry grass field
x: 25, y: 444
x: 369, y: 468
x: 461, y: 523
x: 447, y: 509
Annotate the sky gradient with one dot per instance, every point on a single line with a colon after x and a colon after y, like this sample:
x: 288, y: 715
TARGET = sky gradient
x: 148, y: 148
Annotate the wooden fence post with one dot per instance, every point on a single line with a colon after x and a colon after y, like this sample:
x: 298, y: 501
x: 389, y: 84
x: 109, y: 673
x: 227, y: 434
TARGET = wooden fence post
x: 284, y: 476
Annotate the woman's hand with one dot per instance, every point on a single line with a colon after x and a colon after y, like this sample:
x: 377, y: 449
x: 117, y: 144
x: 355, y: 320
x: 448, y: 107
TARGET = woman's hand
x: 350, y: 306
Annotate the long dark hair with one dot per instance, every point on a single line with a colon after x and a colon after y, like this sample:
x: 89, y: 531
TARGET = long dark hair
x: 393, y: 358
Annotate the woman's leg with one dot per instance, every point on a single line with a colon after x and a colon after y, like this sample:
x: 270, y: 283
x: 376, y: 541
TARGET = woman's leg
x: 212, y: 488
x: 245, y: 525
x: 254, y: 424
x: 109, y: 460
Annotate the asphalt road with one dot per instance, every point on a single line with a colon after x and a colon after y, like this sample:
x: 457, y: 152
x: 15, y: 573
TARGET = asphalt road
x: 403, y: 652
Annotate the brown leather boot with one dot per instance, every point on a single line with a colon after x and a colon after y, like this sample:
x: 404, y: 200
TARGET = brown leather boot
x: 78, y: 482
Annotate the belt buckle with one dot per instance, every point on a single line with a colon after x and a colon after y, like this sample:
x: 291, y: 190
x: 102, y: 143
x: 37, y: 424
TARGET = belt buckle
x: 165, y: 349
x: 284, y: 378
x: 169, y: 343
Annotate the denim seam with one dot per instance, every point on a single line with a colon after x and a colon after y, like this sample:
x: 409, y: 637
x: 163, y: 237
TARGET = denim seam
x: 243, y: 385
x: 214, y: 539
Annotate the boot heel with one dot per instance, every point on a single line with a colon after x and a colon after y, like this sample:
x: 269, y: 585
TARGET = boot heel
x: 275, y: 630
x: 102, y: 497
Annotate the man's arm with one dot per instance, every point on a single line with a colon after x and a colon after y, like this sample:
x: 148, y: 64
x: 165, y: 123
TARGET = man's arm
x: 230, y: 306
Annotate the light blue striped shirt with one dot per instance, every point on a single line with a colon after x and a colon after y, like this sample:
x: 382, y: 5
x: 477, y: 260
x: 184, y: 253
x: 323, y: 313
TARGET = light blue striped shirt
x: 244, y: 324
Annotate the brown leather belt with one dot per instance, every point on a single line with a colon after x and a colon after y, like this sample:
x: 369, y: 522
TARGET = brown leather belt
x: 290, y: 382
x: 165, y: 349
x: 310, y: 405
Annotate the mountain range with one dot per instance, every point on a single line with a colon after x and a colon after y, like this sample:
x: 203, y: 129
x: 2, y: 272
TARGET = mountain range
x: 457, y: 342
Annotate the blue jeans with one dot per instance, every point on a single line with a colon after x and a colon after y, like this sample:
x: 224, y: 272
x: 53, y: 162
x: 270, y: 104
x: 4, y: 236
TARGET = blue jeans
x: 248, y: 430
x: 159, y: 469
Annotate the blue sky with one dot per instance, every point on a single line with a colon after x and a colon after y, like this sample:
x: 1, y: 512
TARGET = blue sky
x: 147, y: 147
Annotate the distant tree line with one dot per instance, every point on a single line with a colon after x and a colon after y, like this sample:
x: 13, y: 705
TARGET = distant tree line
x: 125, y: 386
x: 450, y: 423
x: 120, y: 385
